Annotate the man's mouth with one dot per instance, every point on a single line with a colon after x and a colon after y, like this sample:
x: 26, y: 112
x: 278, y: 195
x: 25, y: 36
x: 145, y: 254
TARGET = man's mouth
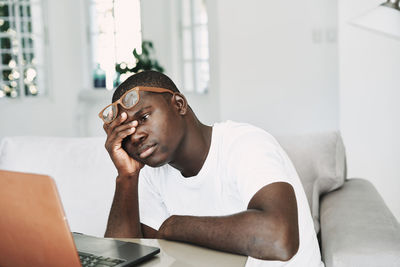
x: 147, y: 151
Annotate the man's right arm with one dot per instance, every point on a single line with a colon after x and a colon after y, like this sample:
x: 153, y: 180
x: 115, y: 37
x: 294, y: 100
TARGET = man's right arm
x: 123, y: 220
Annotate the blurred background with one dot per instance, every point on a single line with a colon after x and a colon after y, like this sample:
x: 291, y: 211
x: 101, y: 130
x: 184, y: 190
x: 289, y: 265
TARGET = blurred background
x: 288, y: 67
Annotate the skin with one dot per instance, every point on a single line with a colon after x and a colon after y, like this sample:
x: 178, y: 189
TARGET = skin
x: 168, y: 128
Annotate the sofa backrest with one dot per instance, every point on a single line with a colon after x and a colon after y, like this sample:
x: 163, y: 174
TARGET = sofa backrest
x: 85, y: 175
x: 320, y: 161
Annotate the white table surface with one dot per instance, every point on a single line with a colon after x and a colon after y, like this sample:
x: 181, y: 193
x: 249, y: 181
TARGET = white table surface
x: 176, y: 254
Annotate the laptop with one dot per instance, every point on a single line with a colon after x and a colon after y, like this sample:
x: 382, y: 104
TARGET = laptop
x: 34, y: 230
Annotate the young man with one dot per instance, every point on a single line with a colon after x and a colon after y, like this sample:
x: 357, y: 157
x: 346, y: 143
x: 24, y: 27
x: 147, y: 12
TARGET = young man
x: 229, y: 187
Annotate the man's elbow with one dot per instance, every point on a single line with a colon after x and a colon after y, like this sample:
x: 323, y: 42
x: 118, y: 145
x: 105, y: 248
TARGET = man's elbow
x: 282, y: 248
x: 287, y: 248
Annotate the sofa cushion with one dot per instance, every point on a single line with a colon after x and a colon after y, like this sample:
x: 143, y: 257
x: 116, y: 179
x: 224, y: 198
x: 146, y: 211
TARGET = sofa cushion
x: 319, y: 159
x: 81, y: 167
x: 358, y: 229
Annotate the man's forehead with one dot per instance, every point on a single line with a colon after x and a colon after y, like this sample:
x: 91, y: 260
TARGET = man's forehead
x: 146, y: 101
x: 149, y: 97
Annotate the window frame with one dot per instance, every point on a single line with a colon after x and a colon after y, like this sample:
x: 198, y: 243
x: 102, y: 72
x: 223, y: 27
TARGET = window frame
x: 44, y: 67
x: 194, y: 60
x: 89, y: 45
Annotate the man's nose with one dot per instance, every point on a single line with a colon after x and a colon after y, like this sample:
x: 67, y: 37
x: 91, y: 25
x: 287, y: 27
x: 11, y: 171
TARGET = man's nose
x: 138, y: 136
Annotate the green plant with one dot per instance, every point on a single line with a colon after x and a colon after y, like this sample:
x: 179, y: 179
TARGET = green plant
x: 144, y: 61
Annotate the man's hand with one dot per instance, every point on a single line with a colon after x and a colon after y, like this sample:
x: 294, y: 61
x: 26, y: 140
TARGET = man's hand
x: 116, y: 132
x: 123, y: 220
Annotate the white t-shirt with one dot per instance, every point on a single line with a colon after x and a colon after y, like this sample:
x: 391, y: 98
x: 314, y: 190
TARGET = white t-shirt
x: 241, y: 160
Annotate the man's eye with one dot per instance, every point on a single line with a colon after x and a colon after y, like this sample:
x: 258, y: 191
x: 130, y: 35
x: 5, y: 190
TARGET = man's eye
x: 144, y: 117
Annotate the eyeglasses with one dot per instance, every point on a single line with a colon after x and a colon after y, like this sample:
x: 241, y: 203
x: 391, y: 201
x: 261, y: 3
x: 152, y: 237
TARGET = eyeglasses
x: 128, y: 100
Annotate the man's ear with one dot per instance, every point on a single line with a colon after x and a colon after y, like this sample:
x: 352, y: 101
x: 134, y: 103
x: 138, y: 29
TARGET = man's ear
x: 180, y: 103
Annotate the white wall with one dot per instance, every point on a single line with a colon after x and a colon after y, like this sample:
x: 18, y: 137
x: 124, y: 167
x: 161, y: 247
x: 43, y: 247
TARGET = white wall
x: 55, y: 114
x: 278, y: 64
x: 271, y: 65
x: 369, y: 103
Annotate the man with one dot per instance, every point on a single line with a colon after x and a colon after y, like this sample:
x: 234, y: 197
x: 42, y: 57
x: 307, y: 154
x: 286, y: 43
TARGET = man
x: 229, y: 187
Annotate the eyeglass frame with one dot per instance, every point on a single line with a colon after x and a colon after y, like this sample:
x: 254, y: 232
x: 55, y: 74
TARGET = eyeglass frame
x: 137, y: 89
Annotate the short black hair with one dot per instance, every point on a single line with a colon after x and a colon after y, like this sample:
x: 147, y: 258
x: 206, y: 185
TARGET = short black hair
x: 149, y: 78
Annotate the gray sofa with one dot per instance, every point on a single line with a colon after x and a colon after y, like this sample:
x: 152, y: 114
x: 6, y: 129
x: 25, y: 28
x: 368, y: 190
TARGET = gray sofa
x: 354, y: 225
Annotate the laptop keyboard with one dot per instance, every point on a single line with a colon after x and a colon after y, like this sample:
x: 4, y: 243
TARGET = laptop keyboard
x: 97, y: 261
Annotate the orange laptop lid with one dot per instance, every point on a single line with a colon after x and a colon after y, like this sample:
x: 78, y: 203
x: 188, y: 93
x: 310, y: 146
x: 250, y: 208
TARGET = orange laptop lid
x: 33, y: 226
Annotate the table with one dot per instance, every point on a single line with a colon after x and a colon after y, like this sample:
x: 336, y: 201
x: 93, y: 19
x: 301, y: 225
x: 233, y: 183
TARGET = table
x: 177, y: 254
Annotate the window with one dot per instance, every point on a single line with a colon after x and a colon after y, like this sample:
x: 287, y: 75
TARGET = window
x: 194, y: 45
x: 22, y: 48
x: 115, y: 31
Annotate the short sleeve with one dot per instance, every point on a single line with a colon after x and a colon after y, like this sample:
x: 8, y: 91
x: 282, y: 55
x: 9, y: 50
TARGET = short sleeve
x: 152, y: 209
x: 256, y: 159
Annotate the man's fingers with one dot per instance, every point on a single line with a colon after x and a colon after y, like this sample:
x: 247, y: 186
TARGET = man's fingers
x: 116, y: 135
x: 127, y: 126
x: 115, y: 142
x: 120, y: 119
x: 122, y: 134
x: 109, y: 127
x: 105, y: 127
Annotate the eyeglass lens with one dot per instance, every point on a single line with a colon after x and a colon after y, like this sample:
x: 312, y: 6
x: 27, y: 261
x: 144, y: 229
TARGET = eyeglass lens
x: 109, y: 113
x: 129, y: 100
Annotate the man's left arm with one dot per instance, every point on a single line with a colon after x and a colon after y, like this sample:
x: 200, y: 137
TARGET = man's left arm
x: 267, y: 230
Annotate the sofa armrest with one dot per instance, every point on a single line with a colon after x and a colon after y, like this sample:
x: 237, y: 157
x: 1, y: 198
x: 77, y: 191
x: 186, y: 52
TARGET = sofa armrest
x: 357, y: 228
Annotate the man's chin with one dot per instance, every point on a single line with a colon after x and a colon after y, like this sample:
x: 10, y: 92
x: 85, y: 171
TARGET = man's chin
x: 151, y: 161
x: 154, y: 160
x: 155, y: 165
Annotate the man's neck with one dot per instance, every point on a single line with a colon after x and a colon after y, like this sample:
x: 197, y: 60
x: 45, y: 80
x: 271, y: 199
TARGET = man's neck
x: 194, y: 149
